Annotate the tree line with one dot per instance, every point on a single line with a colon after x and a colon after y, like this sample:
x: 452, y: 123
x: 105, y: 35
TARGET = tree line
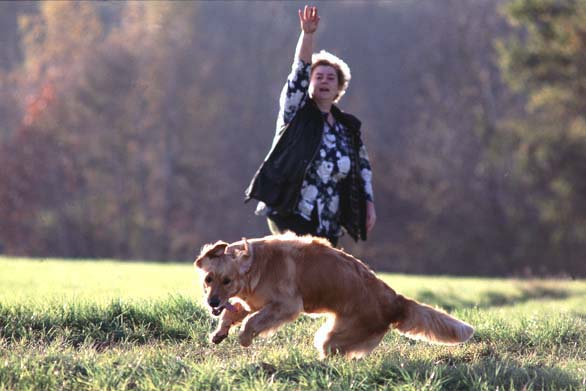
x: 130, y: 130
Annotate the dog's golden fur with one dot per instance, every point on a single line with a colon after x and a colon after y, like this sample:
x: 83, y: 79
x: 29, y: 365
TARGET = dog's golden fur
x: 273, y: 280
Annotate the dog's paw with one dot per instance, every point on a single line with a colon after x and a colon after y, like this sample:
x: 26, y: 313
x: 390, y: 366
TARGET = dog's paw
x: 218, y: 337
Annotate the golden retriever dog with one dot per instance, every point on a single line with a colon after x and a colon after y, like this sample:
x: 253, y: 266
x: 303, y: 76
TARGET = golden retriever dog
x: 272, y: 280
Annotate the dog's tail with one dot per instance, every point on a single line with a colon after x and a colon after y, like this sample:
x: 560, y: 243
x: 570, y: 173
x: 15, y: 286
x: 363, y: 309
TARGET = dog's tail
x: 420, y: 321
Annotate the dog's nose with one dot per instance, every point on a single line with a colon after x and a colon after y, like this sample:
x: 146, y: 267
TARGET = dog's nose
x: 214, y: 301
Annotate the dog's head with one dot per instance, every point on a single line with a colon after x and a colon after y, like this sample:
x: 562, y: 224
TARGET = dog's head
x: 222, y: 266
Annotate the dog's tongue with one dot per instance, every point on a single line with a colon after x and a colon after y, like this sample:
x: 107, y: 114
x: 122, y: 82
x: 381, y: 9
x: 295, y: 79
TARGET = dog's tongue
x: 230, y: 307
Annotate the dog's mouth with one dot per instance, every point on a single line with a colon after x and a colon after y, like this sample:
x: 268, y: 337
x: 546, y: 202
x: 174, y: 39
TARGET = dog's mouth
x: 216, y: 311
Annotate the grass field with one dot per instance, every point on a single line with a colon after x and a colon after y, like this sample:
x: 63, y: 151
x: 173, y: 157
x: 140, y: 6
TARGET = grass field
x: 87, y: 325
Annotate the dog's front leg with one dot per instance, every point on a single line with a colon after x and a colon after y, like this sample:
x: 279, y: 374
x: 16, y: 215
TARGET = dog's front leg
x: 270, y: 317
x: 227, y: 320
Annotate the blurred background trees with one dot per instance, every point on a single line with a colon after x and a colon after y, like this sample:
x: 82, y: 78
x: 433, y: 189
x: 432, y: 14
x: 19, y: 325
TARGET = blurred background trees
x: 131, y: 129
x: 547, y: 64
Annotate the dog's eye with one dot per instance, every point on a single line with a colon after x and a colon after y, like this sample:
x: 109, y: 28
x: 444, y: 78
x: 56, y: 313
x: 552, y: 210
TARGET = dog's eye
x: 226, y: 281
x: 208, y: 279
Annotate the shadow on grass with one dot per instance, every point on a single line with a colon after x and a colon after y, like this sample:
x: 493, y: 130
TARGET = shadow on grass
x: 295, y: 373
x: 447, y: 373
x: 493, y: 298
x: 495, y: 374
x: 102, y: 327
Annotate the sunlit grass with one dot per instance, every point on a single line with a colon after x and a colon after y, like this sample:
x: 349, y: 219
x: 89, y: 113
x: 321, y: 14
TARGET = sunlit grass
x: 44, y: 280
x: 113, y: 325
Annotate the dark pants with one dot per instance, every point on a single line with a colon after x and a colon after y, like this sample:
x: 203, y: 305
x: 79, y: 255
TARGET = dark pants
x: 279, y: 224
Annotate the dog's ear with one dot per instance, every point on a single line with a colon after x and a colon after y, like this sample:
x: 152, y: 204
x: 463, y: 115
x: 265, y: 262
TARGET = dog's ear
x: 211, y: 251
x: 237, y: 249
x: 214, y: 250
x: 242, y: 253
x: 246, y: 259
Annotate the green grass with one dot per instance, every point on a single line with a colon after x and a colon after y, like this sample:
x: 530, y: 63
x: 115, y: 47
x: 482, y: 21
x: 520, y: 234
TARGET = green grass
x: 87, y: 325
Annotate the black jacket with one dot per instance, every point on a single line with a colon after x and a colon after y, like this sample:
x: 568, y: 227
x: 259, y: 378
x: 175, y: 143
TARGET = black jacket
x: 279, y: 178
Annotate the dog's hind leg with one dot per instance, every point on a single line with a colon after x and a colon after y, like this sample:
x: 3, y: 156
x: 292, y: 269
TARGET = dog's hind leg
x: 268, y: 319
x: 346, y: 336
x: 363, y: 347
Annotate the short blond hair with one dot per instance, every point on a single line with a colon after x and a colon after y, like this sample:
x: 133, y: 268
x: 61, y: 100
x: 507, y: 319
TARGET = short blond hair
x: 342, y: 69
